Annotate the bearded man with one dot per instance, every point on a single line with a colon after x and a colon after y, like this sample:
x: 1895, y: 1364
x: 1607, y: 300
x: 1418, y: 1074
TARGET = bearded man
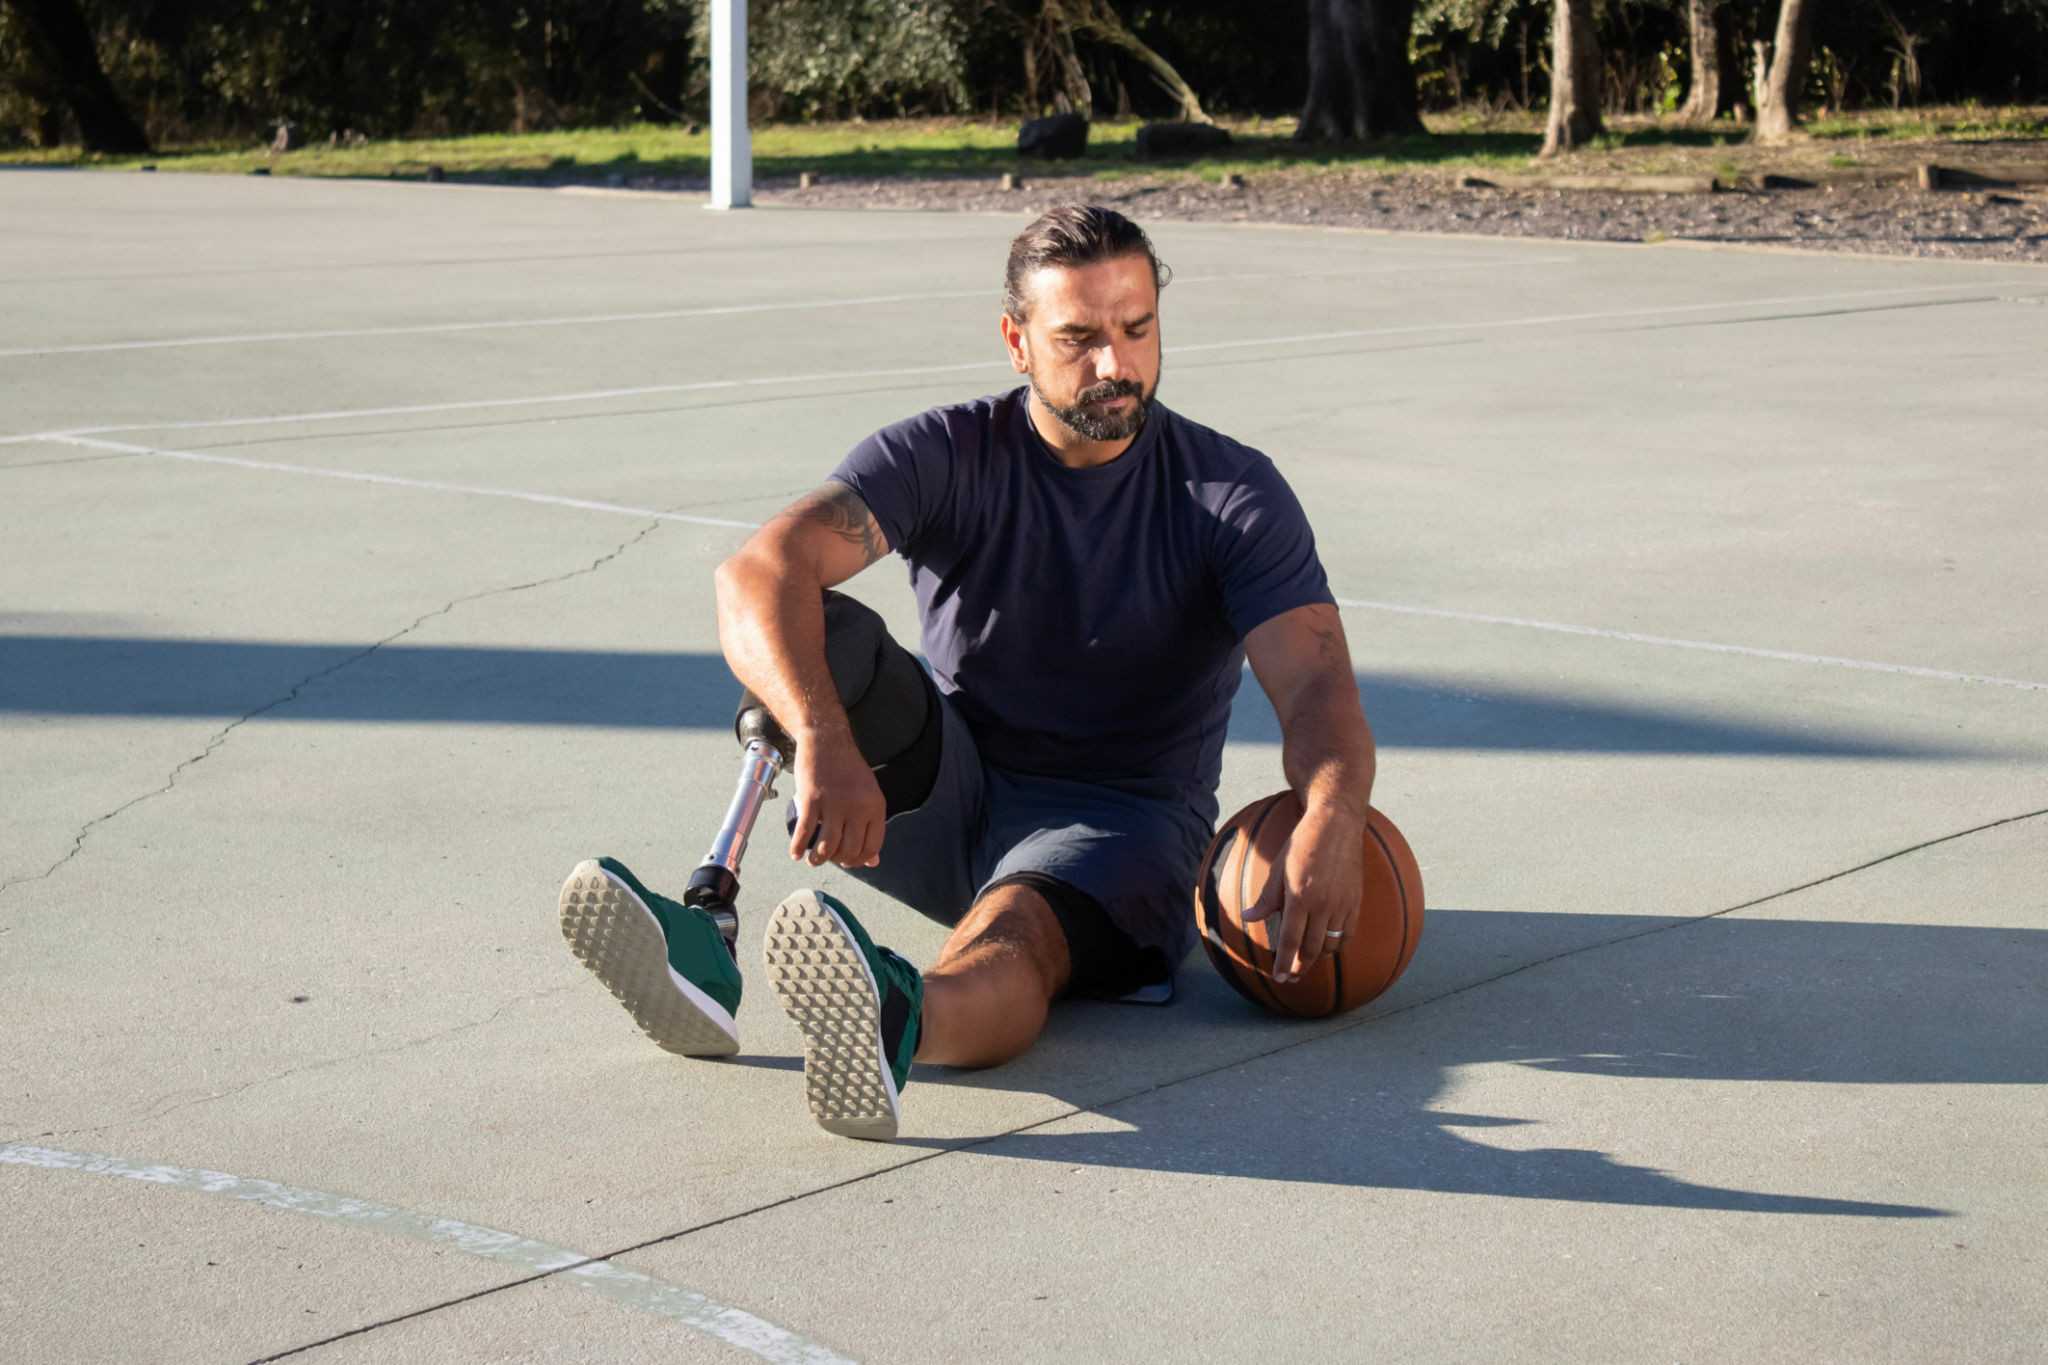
x: 1092, y: 572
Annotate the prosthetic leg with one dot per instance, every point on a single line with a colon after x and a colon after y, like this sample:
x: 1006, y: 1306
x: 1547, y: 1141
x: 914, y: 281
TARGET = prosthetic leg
x: 893, y: 708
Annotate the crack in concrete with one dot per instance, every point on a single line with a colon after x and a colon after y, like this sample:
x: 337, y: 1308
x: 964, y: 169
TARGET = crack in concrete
x: 75, y: 459
x: 85, y: 831
x: 1106, y: 1105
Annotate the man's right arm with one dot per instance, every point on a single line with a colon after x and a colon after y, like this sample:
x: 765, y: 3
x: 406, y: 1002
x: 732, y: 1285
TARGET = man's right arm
x: 771, y: 624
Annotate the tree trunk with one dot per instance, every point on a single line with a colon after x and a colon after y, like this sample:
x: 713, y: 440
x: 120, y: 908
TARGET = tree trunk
x: 1098, y: 20
x: 61, y: 43
x: 1360, y: 84
x: 1778, y: 110
x: 1574, y: 79
x: 1703, y: 97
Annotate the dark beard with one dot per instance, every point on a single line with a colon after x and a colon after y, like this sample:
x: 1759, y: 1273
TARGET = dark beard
x: 1091, y: 426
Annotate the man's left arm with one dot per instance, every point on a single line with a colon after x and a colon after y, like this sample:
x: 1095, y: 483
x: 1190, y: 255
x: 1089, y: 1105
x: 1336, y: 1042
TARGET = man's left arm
x: 1302, y: 661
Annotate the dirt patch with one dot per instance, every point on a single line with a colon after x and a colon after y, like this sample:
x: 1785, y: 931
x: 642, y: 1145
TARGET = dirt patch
x: 1959, y: 225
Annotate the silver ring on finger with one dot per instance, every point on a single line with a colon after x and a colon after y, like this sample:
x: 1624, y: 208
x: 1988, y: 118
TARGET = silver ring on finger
x: 1333, y: 933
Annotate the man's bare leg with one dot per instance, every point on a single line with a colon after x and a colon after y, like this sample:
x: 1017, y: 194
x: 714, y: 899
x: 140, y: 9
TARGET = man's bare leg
x: 985, y: 1001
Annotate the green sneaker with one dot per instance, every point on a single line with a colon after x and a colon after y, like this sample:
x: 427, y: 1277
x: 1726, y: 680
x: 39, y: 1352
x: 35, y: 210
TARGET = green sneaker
x: 859, y: 1008
x: 665, y: 961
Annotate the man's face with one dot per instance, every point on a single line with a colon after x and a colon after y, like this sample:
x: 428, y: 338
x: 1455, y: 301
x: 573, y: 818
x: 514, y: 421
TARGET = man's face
x: 1091, y: 345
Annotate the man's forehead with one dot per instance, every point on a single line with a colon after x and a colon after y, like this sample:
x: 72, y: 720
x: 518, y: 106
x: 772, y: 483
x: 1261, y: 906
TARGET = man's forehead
x: 1119, y: 289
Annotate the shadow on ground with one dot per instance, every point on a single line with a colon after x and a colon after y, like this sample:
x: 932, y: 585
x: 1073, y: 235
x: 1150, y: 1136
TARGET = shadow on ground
x: 421, y: 684
x: 1355, y: 1101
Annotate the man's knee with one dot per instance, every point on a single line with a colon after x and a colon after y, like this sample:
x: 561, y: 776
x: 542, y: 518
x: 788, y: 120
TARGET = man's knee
x: 1012, y: 919
x: 890, y: 702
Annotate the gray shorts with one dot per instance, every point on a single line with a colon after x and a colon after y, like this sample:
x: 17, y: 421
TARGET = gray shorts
x: 1133, y: 846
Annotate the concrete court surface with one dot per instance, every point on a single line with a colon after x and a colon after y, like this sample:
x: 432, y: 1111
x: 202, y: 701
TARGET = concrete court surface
x: 355, y: 552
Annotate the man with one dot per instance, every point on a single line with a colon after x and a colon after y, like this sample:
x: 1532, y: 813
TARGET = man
x: 1092, y: 571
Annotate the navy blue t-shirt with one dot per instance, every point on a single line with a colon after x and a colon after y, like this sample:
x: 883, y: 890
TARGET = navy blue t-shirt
x: 1088, y: 623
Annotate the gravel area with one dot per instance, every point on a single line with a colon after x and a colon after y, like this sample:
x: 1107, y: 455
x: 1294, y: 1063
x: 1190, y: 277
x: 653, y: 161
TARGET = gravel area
x: 2002, y: 225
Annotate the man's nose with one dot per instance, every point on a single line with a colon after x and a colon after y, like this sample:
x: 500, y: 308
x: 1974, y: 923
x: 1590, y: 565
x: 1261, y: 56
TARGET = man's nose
x: 1111, y: 362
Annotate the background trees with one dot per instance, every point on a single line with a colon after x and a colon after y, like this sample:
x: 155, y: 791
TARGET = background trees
x: 183, y: 70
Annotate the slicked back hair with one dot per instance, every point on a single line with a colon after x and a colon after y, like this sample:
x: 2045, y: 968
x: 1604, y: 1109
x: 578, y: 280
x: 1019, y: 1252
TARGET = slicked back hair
x: 1074, y: 235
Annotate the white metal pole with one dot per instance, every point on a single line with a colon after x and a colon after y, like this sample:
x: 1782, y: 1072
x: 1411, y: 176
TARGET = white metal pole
x: 732, y: 147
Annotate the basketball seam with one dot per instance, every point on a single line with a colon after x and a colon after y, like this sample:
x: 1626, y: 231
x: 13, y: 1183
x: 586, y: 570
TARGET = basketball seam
x: 1401, y: 886
x: 1250, y: 834
x: 1213, y: 945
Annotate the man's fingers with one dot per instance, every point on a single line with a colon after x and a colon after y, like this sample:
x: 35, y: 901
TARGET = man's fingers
x: 858, y: 844
x: 1287, y: 949
x: 1273, y: 897
x: 828, y: 829
x: 870, y: 851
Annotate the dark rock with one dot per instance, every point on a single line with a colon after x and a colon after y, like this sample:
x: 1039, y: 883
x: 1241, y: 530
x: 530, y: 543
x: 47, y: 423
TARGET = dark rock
x: 1060, y: 137
x: 435, y: 175
x: 1157, y: 141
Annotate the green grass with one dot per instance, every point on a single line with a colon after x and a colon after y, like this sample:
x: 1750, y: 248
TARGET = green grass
x: 962, y: 147
x: 909, y: 148
x: 1966, y: 122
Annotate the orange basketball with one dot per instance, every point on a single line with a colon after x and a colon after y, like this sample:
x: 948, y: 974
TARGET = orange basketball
x: 1373, y: 955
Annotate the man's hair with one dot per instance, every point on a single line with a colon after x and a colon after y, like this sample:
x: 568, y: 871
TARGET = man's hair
x: 1074, y: 235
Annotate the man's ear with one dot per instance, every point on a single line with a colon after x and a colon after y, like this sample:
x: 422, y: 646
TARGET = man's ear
x: 1017, y: 344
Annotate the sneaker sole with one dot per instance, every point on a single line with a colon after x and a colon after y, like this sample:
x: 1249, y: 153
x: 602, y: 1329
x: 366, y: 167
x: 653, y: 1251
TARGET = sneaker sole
x: 824, y: 983
x: 613, y: 933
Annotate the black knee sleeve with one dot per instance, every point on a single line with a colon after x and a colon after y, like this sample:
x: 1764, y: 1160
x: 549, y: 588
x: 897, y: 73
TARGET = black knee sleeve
x: 890, y: 702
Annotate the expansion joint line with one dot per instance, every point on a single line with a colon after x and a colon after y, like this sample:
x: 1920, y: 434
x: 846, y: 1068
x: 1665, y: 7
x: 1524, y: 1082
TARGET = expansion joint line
x: 221, y: 737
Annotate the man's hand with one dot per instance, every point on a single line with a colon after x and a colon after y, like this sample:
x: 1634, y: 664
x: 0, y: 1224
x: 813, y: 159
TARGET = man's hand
x: 839, y: 806
x: 771, y: 622
x: 1302, y: 661
x: 1315, y: 888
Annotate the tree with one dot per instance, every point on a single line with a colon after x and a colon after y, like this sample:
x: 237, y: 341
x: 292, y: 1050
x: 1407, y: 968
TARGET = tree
x: 1778, y: 107
x: 60, y: 43
x: 1096, y: 19
x: 1574, y: 78
x: 1703, y: 95
x: 1360, y: 84
x: 1048, y: 29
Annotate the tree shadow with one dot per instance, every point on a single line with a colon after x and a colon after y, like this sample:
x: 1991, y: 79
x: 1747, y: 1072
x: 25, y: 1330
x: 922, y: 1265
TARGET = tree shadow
x: 1210, y: 1086
x: 482, y: 685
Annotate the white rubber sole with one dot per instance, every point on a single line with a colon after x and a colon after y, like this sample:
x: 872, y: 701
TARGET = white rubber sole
x: 613, y: 933
x: 822, y: 978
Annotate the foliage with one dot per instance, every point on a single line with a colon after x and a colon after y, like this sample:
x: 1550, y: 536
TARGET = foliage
x: 229, y: 70
x: 827, y: 58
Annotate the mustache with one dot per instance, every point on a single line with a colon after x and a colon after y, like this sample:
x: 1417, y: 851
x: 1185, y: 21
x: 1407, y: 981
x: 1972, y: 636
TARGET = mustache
x: 1111, y: 388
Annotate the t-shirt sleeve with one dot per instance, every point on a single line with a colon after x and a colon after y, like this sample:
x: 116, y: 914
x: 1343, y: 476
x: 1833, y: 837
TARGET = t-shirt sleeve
x: 1266, y: 552
x: 902, y: 473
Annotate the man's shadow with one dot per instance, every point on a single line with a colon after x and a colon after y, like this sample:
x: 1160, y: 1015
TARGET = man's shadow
x: 1212, y: 1086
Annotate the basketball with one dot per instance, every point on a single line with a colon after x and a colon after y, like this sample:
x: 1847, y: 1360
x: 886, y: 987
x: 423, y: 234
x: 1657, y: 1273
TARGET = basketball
x: 1372, y: 956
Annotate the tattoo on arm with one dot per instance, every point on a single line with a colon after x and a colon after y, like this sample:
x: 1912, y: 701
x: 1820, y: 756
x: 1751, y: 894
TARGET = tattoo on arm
x: 840, y: 510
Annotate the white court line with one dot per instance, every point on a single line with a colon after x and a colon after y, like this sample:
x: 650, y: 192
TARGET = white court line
x: 1635, y: 637
x: 1663, y: 311
x: 670, y: 314
x: 586, y: 505
x: 358, y: 476
x: 582, y: 320
x: 733, y: 1326
x: 470, y: 405
x: 647, y: 390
